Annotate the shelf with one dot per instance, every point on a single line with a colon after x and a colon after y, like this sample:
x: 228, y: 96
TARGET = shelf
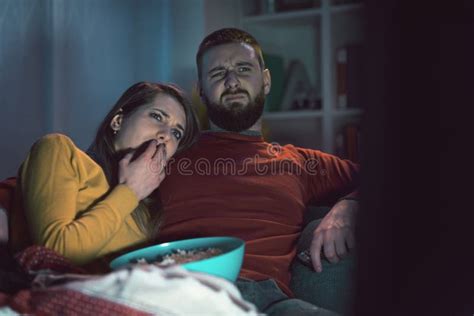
x: 347, y: 112
x: 310, y: 35
x: 346, y: 7
x: 299, y: 16
x: 283, y: 115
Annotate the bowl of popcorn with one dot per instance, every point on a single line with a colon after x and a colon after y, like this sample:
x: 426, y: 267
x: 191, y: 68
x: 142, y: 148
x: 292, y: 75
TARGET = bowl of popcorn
x: 219, y: 256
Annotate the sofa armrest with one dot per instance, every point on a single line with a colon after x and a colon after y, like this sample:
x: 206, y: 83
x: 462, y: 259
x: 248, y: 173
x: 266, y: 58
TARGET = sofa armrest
x: 3, y: 226
x: 7, y: 192
x: 313, y: 213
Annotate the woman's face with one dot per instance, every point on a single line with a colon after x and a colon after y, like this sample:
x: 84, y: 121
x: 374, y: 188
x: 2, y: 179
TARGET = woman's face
x: 164, y: 120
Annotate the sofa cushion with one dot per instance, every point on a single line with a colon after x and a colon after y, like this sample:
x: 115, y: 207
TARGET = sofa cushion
x: 7, y: 192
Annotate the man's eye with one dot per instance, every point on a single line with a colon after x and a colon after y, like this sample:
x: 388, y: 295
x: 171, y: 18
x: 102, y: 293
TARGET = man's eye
x: 177, y: 134
x: 156, y: 116
x: 219, y: 74
x: 244, y: 69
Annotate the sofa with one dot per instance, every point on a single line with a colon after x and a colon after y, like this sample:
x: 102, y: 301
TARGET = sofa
x: 332, y: 289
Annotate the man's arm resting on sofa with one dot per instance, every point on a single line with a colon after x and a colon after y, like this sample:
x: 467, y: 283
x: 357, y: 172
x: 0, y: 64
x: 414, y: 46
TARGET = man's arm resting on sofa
x: 331, y: 289
x: 335, y: 234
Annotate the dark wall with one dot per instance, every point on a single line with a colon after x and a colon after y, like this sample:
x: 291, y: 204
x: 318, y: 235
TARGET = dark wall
x: 63, y: 64
x: 23, y: 80
x: 415, y: 226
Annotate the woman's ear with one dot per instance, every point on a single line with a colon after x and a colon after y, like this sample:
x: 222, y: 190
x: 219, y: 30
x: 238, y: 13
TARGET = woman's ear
x: 116, y: 122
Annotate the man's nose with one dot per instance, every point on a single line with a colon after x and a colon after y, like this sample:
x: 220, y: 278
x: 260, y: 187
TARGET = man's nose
x: 231, y: 80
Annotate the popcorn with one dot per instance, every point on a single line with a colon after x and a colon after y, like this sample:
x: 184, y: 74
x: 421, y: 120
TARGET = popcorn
x: 181, y: 256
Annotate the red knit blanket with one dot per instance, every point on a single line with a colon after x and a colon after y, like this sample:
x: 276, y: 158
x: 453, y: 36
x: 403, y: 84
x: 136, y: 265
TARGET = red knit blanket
x: 60, y: 288
x: 44, y: 298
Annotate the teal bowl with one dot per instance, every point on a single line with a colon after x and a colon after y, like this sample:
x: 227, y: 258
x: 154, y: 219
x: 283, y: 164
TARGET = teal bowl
x: 225, y: 265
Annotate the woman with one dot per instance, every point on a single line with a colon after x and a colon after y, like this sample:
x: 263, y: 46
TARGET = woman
x: 85, y: 208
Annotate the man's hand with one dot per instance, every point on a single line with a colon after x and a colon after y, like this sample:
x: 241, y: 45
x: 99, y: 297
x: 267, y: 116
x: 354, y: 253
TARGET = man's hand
x: 335, y: 233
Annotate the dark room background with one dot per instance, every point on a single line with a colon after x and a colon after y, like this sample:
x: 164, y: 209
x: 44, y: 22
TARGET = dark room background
x: 64, y: 63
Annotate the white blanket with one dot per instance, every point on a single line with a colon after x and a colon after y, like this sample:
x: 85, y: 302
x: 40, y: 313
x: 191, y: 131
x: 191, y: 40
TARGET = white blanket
x: 170, y: 291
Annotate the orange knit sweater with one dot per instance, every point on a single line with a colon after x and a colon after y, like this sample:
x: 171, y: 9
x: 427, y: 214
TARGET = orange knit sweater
x: 235, y: 185
x: 62, y: 202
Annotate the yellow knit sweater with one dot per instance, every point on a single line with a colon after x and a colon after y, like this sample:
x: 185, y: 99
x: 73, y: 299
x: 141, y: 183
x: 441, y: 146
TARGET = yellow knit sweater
x: 63, y: 203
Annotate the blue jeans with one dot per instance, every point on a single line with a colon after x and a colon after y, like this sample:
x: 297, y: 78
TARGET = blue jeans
x: 269, y: 299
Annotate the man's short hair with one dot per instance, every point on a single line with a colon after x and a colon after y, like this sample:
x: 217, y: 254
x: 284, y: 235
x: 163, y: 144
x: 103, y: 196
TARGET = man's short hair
x: 226, y: 36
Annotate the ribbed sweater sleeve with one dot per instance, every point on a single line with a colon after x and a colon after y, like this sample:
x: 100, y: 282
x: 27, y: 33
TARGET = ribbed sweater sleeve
x: 51, y: 177
x: 330, y: 177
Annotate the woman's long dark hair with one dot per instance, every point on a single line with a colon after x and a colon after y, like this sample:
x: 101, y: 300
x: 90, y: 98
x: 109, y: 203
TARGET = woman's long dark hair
x: 147, y: 214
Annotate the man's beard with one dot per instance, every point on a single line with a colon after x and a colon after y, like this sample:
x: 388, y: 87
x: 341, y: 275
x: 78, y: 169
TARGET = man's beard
x: 237, y: 117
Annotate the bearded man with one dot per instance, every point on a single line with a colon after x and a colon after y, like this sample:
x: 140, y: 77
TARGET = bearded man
x: 233, y: 183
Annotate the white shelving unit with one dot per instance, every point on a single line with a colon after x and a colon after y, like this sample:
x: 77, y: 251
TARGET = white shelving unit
x: 282, y: 115
x: 311, y: 36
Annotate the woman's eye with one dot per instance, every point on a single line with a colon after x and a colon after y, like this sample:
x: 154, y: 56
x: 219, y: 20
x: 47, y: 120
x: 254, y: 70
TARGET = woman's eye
x: 177, y: 134
x: 156, y: 116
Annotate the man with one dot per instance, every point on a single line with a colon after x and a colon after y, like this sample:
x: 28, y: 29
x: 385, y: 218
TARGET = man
x: 232, y: 182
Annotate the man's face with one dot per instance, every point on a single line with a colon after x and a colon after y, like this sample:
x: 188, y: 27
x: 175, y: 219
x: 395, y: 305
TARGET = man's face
x: 233, y: 86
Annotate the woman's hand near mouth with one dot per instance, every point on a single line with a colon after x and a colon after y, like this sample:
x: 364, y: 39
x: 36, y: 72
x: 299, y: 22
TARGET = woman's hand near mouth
x: 144, y: 174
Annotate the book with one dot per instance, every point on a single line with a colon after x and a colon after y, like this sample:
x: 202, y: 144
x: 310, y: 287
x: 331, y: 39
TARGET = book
x: 354, y: 75
x: 352, y: 137
x: 349, y: 74
x: 341, y: 78
x: 347, y: 142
